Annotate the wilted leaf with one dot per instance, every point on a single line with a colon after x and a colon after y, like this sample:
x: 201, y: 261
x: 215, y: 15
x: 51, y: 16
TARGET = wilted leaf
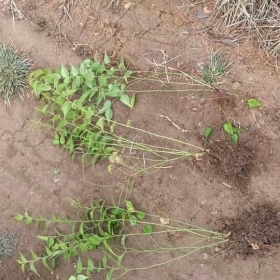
x: 164, y: 221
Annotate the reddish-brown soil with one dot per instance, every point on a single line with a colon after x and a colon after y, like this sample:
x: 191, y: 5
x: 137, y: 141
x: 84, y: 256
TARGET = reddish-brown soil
x: 199, y: 191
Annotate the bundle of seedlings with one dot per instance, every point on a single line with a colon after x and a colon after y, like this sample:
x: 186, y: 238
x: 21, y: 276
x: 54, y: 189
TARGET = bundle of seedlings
x: 260, y: 19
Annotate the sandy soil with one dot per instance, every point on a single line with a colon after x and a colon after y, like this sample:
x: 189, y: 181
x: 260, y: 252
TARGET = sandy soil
x: 190, y: 191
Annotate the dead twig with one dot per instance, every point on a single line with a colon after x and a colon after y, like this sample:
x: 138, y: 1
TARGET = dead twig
x: 173, y: 123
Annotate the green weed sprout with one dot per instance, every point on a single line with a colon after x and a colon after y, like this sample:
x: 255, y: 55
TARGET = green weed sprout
x: 100, y: 239
x: 233, y: 131
x: 216, y: 67
x: 14, y: 70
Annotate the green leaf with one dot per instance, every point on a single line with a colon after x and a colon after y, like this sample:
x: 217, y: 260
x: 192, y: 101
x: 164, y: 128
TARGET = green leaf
x: 28, y: 220
x: 132, y: 100
x: 43, y: 238
x: 72, y: 278
x: 100, y: 123
x: 81, y: 230
x: 228, y: 128
x: 32, y: 267
x: 109, y: 274
x: 18, y: 217
x: 122, y: 64
x: 237, y: 130
x: 82, y: 277
x: 77, y: 83
x: 53, y: 263
x: 62, y: 140
x: 74, y: 71
x: 45, y: 262
x: 120, y: 259
x: 95, y: 240
x: 47, y: 225
x: 234, y: 138
x: 23, y: 259
x: 107, y: 104
x: 109, y: 114
x: 125, y: 100
x: 148, y: 229
x: 103, y: 80
x: 107, y: 246
x: 56, y: 142
x: 112, y: 127
x: 129, y: 206
x: 133, y: 220
x: 37, y: 73
x: 34, y: 256
x: 104, y: 260
x: 141, y: 215
x: 79, y: 266
x: 106, y: 59
x: 23, y: 267
x: 50, y: 242
x: 123, y: 241
x: 65, y: 108
x: 64, y: 72
x: 254, y: 103
x: 90, y: 264
x: 207, y: 132
x: 83, y: 69
x: 69, y: 92
x: 42, y: 88
x: 127, y: 74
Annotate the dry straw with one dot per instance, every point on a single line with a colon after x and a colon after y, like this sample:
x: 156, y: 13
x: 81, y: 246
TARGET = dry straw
x: 261, y: 19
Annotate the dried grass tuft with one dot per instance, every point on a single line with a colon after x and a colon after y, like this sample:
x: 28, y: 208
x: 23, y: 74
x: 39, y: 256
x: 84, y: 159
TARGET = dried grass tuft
x: 260, y: 19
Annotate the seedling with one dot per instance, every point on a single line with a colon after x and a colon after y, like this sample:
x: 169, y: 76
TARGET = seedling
x: 207, y: 132
x: 95, y: 228
x: 254, y: 103
x: 100, y: 237
x: 233, y: 131
x: 78, y: 108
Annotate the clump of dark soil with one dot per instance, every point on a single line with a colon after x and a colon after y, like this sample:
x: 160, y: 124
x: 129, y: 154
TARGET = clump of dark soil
x: 225, y: 101
x: 233, y: 163
x: 255, y: 230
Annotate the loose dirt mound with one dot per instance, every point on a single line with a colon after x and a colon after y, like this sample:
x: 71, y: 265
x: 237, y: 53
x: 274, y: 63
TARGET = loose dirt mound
x: 255, y: 230
x: 231, y: 162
